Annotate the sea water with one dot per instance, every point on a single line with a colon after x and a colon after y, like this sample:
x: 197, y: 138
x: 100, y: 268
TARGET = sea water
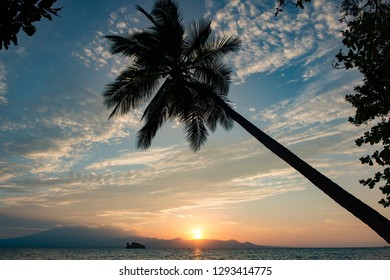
x: 382, y: 253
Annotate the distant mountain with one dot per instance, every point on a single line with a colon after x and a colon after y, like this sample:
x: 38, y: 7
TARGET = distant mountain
x: 68, y: 237
x: 109, y: 237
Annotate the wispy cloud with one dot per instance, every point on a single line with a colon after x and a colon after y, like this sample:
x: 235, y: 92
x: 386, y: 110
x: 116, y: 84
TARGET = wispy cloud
x: 96, y: 53
x: 165, y: 174
x: 3, y: 84
x: 61, y: 136
x: 21, y: 51
x: 314, y: 114
x: 271, y: 43
x: 147, y: 158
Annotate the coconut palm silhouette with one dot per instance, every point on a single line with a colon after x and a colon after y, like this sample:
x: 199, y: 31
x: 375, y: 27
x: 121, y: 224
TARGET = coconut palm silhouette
x: 180, y: 70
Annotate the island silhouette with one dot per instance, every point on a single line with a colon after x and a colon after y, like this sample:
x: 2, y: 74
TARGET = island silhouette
x: 134, y: 245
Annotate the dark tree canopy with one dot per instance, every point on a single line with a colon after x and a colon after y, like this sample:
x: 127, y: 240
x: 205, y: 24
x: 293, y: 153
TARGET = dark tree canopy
x: 20, y: 14
x: 367, y: 48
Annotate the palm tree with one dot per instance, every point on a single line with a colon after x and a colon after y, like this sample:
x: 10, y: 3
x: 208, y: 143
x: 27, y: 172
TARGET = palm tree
x: 180, y: 69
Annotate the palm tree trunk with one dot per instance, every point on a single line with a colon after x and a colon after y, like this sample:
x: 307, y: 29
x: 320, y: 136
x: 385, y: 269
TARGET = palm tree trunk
x: 365, y: 213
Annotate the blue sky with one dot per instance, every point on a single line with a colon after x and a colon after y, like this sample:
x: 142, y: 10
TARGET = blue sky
x: 63, y: 163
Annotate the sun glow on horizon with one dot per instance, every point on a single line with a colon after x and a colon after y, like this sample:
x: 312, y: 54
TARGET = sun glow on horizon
x: 197, y: 234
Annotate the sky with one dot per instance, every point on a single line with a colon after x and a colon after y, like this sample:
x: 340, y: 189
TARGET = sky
x: 63, y: 163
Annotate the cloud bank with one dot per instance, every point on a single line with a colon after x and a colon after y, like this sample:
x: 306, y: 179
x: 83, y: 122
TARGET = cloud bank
x: 271, y: 43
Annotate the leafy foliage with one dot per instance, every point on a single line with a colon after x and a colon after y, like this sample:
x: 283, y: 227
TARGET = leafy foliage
x: 20, y: 14
x: 367, y: 39
x: 176, y: 68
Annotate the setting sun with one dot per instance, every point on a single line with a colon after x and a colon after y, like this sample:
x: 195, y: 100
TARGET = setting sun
x: 197, y: 234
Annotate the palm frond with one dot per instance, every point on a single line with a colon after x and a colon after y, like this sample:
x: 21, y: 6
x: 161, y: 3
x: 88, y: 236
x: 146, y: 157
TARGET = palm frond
x: 169, y: 25
x: 150, y: 51
x: 213, y: 113
x: 214, y: 72
x: 166, y: 12
x: 196, y: 131
x: 140, y: 45
x: 155, y: 114
x: 219, y: 115
x: 218, y: 46
x: 182, y: 102
x: 224, y: 44
x: 149, y: 16
x: 131, y: 46
x: 130, y: 90
x: 197, y: 33
x: 120, y: 44
x: 160, y: 101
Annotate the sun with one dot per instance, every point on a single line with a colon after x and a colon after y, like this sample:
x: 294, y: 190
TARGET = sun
x: 197, y: 234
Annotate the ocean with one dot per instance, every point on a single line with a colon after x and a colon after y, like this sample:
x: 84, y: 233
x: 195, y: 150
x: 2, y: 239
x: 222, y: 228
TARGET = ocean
x: 379, y: 253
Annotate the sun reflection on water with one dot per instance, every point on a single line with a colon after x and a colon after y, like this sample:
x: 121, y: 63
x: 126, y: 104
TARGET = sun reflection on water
x: 197, y: 254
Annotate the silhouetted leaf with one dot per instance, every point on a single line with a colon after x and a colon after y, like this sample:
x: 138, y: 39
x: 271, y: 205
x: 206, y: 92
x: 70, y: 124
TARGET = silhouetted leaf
x: 18, y: 14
